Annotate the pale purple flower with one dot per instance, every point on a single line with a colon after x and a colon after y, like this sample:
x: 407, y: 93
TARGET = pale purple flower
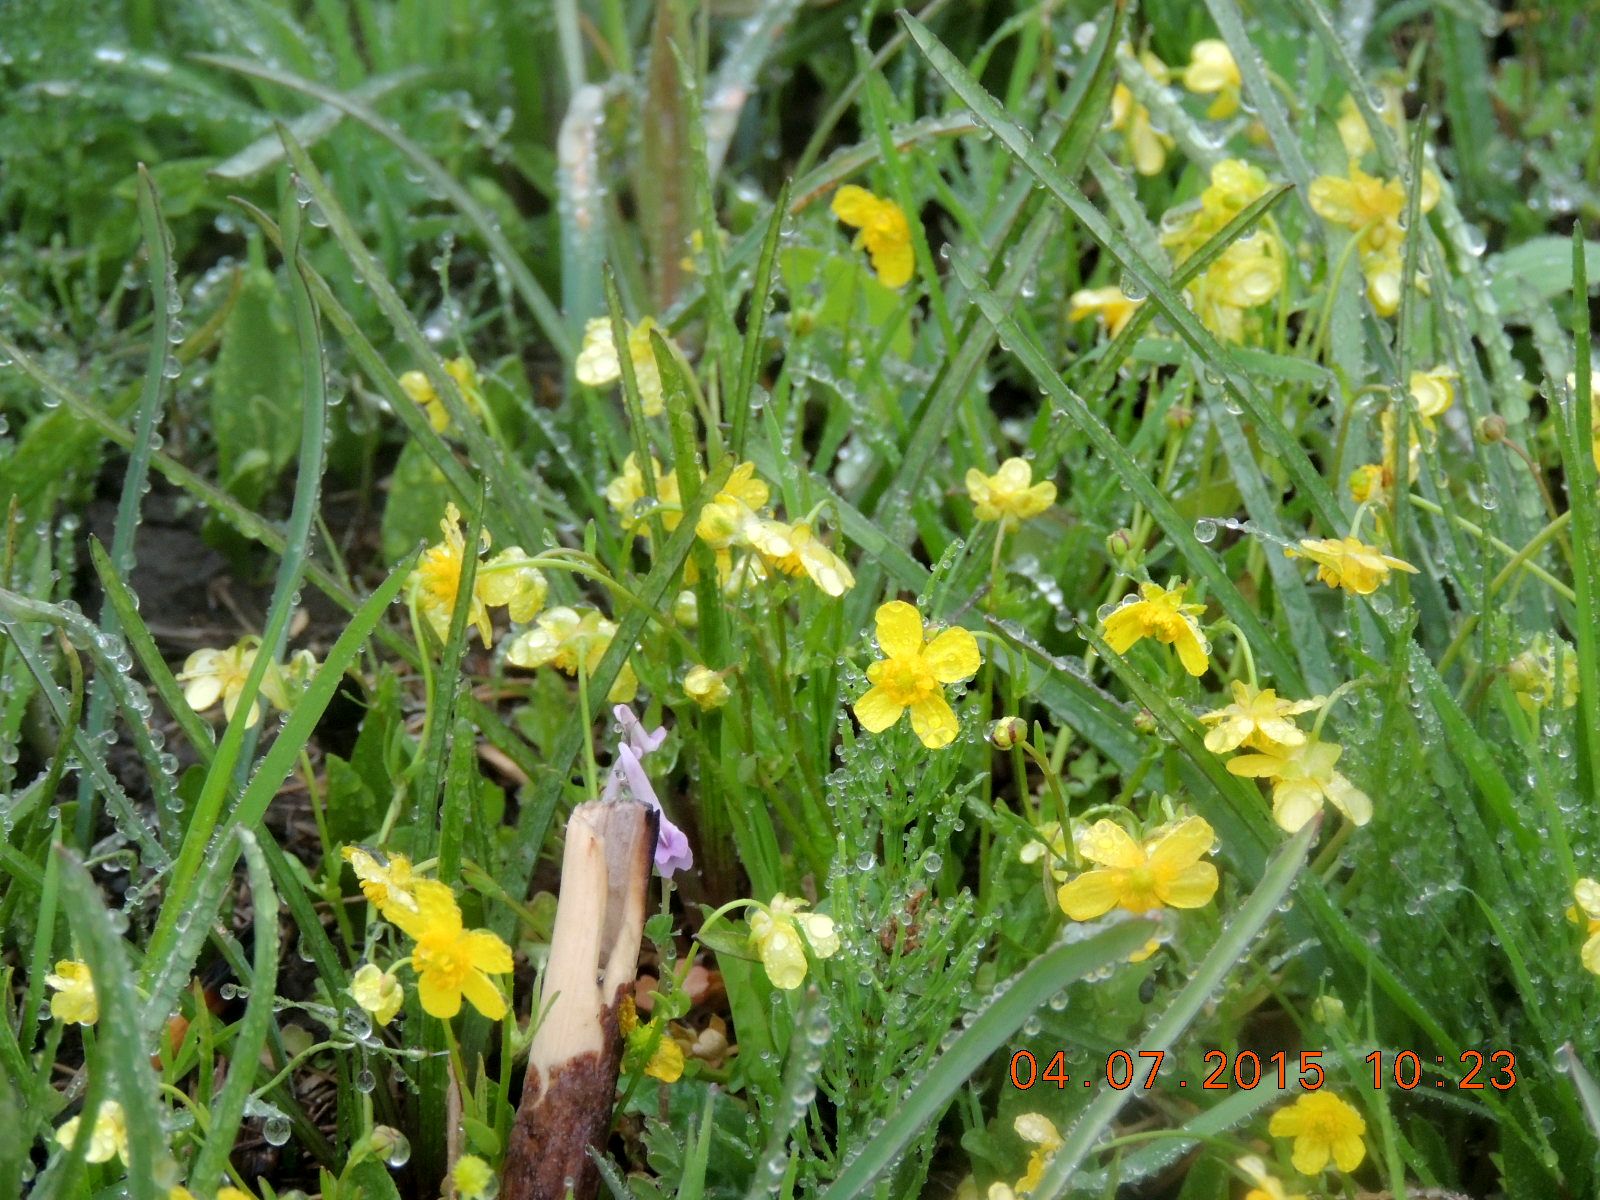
x: 627, y: 777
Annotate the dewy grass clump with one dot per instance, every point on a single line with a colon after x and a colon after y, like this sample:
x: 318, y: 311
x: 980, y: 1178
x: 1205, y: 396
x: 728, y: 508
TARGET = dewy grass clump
x: 642, y: 599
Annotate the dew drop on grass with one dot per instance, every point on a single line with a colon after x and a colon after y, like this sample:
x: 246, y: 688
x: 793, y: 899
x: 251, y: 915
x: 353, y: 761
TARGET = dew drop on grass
x: 275, y: 1130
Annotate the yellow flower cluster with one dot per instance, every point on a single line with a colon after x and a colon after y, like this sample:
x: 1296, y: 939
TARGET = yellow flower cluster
x: 1349, y: 563
x: 735, y: 520
x: 885, y: 232
x: 508, y: 580
x: 572, y: 640
x: 212, y: 675
x: 1372, y: 208
x: 450, y: 961
x: 1250, y: 272
x: 1299, y: 766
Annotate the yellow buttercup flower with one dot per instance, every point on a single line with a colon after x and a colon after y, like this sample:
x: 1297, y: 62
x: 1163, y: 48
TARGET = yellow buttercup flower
x: 1434, y: 391
x: 1248, y: 274
x: 1009, y: 495
x: 450, y: 960
x: 1349, y: 563
x: 1302, y: 777
x: 107, y: 1140
x: 437, y: 579
x: 1233, y: 186
x: 1368, y: 483
x: 1257, y: 718
x: 508, y: 581
x: 1147, y: 148
x: 378, y: 992
x: 598, y: 364
x: 912, y: 674
x: 706, y: 687
x: 389, y: 883
x: 474, y: 1179
x: 1109, y: 305
x: 1586, y: 912
x: 1533, y: 674
x: 1167, y: 871
x: 1323, y: 1127
x: 571, y: 641
x: 809, y: 556
x: 627, y: 497
x: 1372, y: 209
x: 422, y: 393
x: 885, y: 232
x: 666, y: 1058
x: 1267, y: 1186
x: 1211, y: 70
x: 1039, y: 1132
x: 75, y: 1001
x: 779, y: 934
x: 212, y: 675
x: 1160, y: 613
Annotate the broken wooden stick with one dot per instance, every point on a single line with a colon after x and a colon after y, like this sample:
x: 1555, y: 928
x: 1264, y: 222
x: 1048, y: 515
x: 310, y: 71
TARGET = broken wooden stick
x: 571, y: 1082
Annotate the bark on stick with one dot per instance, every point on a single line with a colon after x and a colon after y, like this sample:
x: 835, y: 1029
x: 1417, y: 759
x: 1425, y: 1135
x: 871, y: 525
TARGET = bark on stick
x: 571, y: 1081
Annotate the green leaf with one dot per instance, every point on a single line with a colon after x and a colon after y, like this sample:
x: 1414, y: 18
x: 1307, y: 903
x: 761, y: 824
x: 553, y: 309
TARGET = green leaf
x: 418, y: 493
x: 841, y: 294
x: 1536, y: 271
x: 255, y: 389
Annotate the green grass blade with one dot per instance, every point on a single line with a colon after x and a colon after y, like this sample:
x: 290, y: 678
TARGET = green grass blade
x: 439, y: 179
x: 740, y: 399
x: 993, y: 1028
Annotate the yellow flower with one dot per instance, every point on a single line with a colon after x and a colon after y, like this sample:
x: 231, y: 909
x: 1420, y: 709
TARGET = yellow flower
x: 776, y: 937
x: 451, y: 961
x: 732, y: 515
x: 1167, y: 871
x: 388, y: 883
x: 1234, y: 185
x: 1109, y: 305
x: 1302, y: 778
x: 378, y: 992
x: 1533, y: 677
x: 210, y: 675
x: 75, y: 1001
x: 666, y: 1057
x: 911, y: 675
x: 1367, y: 483
x: 885, y: 232
x: 706, y: 687
x: 1159, y: 613
x: 1009, y: 495
x: 437, y: 578
x: 1267, y: 1186
x: 1211, y: 69
x: 1323, y: 1127
x: 1586, y: 912
x: 570, y: 640
x: 107, y: 1140
x: 1434, y: 391
x: 1349, y: 563
x: 1040, y: 1132
x: 474, y: 1179
x: 1372, y: 208
x: 1256, y: 718
x: 598, y: 364
x: 1146, y: 147
x: 810, y: 556
x: 1248, y: 274
x: 420, y: 390
x: 628, y: 499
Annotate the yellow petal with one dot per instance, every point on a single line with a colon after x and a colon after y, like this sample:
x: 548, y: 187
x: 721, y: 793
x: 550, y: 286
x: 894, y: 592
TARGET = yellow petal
x: 854, y: 205
x: 1090, y: 895
x: 483, y: 994
x: 894, y: 262
x: 438, y: 998
x: 1192, y: 887
x: 1109, y: 844
x: 934, y: 722
x: 1180, y: 847
x: 899, y: 629
x: 877, y: 710
x: 953, y: 656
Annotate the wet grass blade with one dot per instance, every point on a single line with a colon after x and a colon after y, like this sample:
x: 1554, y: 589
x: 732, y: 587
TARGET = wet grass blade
x: 995, y: 1025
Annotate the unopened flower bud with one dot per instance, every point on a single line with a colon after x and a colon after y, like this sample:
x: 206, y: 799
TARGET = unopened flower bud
x: 1007, y: 732
x: 1144, y: 721
x: 1180, y: 416
x: 1491, y: 429
x: 1119, y: 543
